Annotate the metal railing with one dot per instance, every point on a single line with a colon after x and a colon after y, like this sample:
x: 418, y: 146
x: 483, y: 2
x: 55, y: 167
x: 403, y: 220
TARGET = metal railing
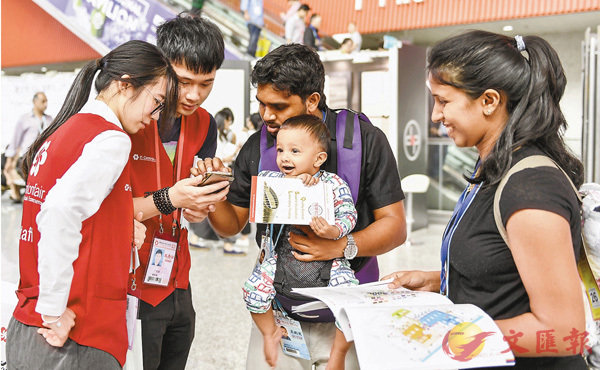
x: 231, y: 22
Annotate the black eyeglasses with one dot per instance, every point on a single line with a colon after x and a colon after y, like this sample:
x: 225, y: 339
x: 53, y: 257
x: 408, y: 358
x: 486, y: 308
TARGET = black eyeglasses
x: 159, y: 105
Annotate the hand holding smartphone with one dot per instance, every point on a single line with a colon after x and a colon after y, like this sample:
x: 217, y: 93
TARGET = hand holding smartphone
x: 211, y: 177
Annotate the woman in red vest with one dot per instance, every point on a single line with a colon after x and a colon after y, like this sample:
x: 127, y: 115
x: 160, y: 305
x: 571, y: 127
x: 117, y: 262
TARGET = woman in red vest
x: 77, y: 230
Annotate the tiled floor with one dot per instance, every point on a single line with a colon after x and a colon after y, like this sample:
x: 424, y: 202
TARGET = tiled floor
x: 222, y: 322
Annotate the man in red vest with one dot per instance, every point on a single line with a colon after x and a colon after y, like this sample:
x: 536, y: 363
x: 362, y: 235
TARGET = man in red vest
x: 161, y: 158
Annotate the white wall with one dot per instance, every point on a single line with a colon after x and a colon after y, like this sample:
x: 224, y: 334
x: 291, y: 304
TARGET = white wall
x: 568, y: 47
x: 17, y: 96
x: 228, y: 91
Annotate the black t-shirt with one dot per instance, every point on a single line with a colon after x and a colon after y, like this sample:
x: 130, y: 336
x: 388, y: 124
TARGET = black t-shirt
x: 379, y: 178
x: 482, y: 270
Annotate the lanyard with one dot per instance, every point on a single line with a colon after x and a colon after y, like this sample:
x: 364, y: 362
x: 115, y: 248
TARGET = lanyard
x: 276, y: 304
x: 178, y: 166
x: 465, y: 200
x: 276, y: 240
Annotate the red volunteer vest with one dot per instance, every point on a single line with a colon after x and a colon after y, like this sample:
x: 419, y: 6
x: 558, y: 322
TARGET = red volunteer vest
x: 98, y: 294
x: 143, y: 179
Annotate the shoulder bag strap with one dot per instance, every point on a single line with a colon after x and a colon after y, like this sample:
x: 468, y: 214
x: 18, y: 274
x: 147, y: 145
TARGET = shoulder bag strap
x: 583, y: 266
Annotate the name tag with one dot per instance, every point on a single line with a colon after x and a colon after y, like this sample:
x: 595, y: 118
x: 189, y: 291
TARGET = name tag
x: 292, y: 341
x: 161, y: 260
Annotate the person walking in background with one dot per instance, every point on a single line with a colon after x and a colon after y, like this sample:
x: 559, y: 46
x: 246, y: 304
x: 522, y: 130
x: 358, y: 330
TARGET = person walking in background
x: 163, y: 190
x: 203, y: 236
x: 491, y: 95
x: 253, y: 123
x: 227, y: 146
x: 311, y: 33
x: 81, y: 212
x: 347, y: 46
x: 253, y: 14
x: 293, y: 6
x: 294, y: 28
x: 197, y: 6
x: 355, y: 36
x: 27, y: 129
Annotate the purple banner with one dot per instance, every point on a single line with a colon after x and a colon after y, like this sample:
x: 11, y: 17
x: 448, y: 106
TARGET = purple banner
x: 106, y: 24
x: 111, y: 22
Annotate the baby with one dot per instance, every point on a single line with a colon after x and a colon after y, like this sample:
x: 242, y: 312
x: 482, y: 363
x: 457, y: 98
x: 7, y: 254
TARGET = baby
x: 301, y: 150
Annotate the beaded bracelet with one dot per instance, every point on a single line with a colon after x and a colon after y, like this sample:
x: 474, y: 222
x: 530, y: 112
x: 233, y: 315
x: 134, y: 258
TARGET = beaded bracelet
x: 163, y: 202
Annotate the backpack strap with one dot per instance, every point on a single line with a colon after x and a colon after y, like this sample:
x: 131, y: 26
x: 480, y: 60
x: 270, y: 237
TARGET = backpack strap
x: 528, y: 162
x: 349, y: 148
x: 268, y: 151
x: 586, y: 274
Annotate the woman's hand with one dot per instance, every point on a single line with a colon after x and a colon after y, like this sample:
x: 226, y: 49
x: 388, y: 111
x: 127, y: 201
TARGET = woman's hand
x: 415, y: 280
x: 139, y: 230
x: 57, y: 329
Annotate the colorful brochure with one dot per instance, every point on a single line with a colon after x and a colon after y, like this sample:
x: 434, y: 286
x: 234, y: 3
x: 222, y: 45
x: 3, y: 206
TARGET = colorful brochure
x: 276, y: 200
x: 404, y: 329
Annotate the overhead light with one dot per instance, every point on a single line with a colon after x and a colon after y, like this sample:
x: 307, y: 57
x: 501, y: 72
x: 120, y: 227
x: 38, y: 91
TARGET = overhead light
x: 507, y: 28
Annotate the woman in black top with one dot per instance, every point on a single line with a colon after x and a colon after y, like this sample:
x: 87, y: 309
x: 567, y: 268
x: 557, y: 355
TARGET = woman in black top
x: 501, y: 95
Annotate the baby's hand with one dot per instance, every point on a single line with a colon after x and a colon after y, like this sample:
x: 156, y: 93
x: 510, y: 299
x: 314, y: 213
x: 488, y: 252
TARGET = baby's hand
x: 271, y: 347
x: 323, y: 229
x: 307, y: 179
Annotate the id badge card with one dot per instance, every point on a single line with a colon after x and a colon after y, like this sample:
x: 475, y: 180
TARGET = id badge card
x: 265, y: 247
x: 132, y: 313
x: 292, y: 341
x: 161, y: 260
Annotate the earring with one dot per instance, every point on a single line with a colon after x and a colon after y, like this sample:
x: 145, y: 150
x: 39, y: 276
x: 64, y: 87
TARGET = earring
x: 488, y: 112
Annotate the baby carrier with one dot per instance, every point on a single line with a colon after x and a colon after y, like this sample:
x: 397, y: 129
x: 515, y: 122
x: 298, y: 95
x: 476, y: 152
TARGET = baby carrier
x: 291, y: 273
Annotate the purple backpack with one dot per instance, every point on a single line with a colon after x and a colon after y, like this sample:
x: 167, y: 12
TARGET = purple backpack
x: 349, y: 153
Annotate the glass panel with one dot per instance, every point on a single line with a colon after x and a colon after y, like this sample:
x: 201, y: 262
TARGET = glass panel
x: 446, y: 166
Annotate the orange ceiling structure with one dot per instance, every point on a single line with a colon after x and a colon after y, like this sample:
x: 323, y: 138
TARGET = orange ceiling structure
x: 30, y: 36
x: 398, y: 15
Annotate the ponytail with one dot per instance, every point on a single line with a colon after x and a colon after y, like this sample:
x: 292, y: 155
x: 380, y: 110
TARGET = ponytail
x: 528, y: 71
x: 76, y: 98
x: 142, y: 62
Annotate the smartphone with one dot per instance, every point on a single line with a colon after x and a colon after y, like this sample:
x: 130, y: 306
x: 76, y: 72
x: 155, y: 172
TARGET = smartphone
x: 211, y: 177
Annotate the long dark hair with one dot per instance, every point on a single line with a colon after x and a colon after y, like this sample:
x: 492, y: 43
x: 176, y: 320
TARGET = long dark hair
x: 533, y: 85
x: 141, y: 61
x: 220, y: 118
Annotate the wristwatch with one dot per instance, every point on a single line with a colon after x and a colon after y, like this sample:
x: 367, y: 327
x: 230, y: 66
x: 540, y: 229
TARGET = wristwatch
x: 351, y: 249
